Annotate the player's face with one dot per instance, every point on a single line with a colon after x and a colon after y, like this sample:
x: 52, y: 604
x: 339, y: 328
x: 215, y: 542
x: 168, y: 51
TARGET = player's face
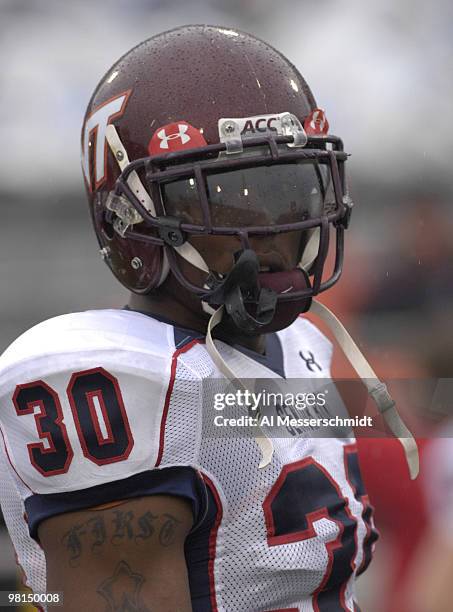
x: 275, y: 253
x: 252, y: 197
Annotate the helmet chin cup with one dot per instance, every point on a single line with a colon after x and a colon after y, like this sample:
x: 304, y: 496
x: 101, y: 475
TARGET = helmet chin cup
x: 241, y: 286
x: 251, y: 298
x: 265, y: 310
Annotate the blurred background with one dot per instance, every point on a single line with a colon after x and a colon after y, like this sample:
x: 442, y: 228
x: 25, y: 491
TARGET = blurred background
x: 382, y: 71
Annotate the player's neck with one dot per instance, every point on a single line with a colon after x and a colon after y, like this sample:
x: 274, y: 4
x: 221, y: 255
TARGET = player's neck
x: 184, y: 310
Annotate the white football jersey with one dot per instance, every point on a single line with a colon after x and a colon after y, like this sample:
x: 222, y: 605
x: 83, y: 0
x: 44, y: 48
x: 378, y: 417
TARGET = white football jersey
x: 109, y: 404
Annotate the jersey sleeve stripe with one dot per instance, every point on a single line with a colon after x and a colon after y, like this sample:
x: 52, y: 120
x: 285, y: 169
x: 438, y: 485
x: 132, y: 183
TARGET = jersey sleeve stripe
x: 201, y: 547
x: 171, y: 384
x: 213, y: 541
x: 180, y: 481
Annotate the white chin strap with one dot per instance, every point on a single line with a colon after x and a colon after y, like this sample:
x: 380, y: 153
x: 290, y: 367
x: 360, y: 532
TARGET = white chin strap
x: 265, y: 443
x: 311, y: 250
x: 134, y: 182
x: 376, y: 388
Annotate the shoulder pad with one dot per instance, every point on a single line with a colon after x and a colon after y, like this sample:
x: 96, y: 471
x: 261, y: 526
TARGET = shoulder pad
x: 82, y: 332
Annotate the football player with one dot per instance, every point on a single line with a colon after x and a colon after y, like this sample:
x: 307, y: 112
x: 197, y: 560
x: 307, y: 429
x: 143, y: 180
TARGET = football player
x: 214, y: 186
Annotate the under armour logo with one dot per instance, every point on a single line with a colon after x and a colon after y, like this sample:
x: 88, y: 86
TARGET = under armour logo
x: 310, y: 361
x: 175, y: 137
x: 164, y: 137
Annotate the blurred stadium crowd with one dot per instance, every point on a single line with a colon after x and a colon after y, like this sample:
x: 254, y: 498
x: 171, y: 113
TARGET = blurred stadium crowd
x: 382, y: 72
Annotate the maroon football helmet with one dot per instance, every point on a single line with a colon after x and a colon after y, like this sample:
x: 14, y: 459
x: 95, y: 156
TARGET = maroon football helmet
x: 204, y: 130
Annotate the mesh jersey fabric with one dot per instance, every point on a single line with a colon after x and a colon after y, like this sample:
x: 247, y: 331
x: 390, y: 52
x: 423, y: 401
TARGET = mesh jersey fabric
x: 259, y: 559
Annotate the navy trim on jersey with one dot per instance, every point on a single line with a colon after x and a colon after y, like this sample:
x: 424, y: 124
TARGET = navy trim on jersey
x: 177, y: 481
x: 183, y: 336
x: 198, y: 551
x: 272, y: 359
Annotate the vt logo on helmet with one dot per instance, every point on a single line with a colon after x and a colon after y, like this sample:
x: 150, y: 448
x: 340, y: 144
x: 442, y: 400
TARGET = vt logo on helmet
x: 94, y: 134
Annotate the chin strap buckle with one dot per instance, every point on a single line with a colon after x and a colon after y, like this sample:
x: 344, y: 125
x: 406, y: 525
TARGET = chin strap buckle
x: 125, y: 213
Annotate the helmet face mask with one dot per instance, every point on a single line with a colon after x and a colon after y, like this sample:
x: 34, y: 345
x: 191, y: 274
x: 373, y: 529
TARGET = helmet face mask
x: 253, y: 196
x: 260, y: 181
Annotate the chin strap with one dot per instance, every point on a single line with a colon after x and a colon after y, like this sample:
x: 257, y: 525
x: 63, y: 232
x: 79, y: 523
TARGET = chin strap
x: 264, y: 443
x: 376, y: 388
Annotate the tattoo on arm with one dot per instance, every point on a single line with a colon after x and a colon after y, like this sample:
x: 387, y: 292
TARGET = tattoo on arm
x: 121, y: 591
x: 146, y: 524
x: 123, y: 526
x: 98, y: 533
x: 72, y: 541
x: 117, y: 528
x: 168, y: 530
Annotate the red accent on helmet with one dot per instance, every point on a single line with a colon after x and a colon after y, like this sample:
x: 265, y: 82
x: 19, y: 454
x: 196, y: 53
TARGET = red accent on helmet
x: 316, y: 123
x: 175, y: 137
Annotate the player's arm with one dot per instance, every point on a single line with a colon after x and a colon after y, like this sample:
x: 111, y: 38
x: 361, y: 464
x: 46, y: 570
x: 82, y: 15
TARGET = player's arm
x: 127, y: 556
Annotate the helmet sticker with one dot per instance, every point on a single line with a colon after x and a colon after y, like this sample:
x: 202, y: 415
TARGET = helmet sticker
x: 93, y: 136
x: 175, y: 137
x: 316, y: 123
x: 254, y: 126
x: 233, y: 130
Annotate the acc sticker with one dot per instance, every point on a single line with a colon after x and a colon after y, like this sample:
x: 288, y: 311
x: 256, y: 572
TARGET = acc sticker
x: 175, y: 137
x: 316, y: 123
x: 281, y: 124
